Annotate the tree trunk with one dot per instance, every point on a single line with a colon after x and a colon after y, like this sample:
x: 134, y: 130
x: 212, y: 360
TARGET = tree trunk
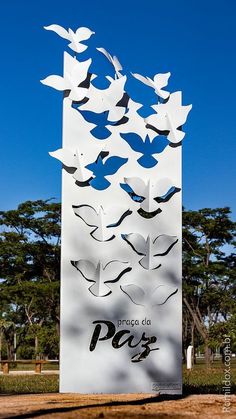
x: 10, y: 351
x: 207, y: 354
x: 192, y: 343
x: 58, y: 326
x: 201, y: 328
x: 36, y: 344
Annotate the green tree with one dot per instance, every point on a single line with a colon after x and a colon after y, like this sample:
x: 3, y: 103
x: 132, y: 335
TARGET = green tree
x: 30, y: 267
x: 208, y: 273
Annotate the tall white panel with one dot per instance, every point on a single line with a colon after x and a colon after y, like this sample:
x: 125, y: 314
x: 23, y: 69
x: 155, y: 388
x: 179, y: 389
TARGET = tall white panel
x: 121, y: 300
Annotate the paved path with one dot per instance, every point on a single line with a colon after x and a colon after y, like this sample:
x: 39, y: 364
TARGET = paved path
x: 130, y: 406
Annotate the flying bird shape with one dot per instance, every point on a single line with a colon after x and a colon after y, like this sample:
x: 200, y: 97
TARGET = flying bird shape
x: 75, y: 72
x: 101, y: 130
x: 147, y: 148
x: 159, y: 81
x: 114, y: 61
x: 101, y: 170
x: 150, y: 249
x: 156, y: 297
x: 75, y: 38
x: 100, y: 274
x: 76, y: 159
x: 170, y: 116
x: 132, y: 122
x: 103, y: 223
x: 148, y: 194
x: 102, y: 100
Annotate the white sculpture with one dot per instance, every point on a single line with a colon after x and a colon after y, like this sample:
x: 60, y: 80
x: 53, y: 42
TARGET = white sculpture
x: 75, y: 38
x: 121, y: 230
x: 159, y: 81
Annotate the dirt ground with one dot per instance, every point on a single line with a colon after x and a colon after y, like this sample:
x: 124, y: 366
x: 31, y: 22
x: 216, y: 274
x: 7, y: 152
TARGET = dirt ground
x: 114, y: 406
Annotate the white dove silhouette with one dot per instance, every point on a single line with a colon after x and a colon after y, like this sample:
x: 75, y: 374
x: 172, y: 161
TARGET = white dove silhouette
x: 150, y: 248
x: 101, y: 274
x: 149, y: 194
x: 170, y: 116
x: 102, y: 222
x: 159, y: 81
x: 75, y: 72
x: 75, y: 38
x: 77, y: 159
x: 102, y: 100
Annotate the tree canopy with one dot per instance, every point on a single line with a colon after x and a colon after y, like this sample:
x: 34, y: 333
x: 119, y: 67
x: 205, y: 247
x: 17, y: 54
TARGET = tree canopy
x: 30, y: 268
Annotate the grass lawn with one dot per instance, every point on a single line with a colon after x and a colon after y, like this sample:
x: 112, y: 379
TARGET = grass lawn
x: 198, y: 381
x: 201, y: 380
x: 25, y: 384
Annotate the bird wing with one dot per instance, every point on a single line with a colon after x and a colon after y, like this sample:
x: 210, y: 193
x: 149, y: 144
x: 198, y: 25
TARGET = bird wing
x: 134, y: 141
x: 137, y: 242
x: 106, y: 53
x: 113, y: 60
x: 135, y: 293
x: 56, y: 82
x: 115, y: 91
x: 87, y: 213
x: 158, y: 121
x: 159, y: 143
x: 143, y: 79
x: 112, y: 164
x: 117, y: 65
x: 121, y: 218
x: 86, y: 268
x: 116, y: 113
x: 163, y: 244
x: 167, y: 195
x: 66, y: 156
x: 136, y: 184
x: 79, y: 71
x: 59, y: 30
x: 114, y: 270
x: 161, y: 294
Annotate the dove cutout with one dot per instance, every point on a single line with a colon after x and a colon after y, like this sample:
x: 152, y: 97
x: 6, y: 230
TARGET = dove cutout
x: 159, y: 81
x: 147, y: 195
x: 76, y: 159
x: 101, y: 130
x: 103, y: 223
x: 170, y: 117
x: 75, y: 38
x: 101, y: 170
x: 147, y: 148
x: 157, y: 297
x: 114, y: 61
x: 100, y: 274
x: 75, y: 73
x: 150, y: 249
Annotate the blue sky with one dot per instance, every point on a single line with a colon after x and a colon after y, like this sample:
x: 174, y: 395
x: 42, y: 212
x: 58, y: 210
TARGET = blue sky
x: 195, y: 40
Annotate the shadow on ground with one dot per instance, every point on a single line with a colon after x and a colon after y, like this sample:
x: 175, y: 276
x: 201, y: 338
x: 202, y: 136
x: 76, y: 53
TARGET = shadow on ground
x: 136, y: 402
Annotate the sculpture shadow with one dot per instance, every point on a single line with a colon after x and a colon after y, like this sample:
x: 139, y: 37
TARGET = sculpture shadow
x: 136, y: 402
